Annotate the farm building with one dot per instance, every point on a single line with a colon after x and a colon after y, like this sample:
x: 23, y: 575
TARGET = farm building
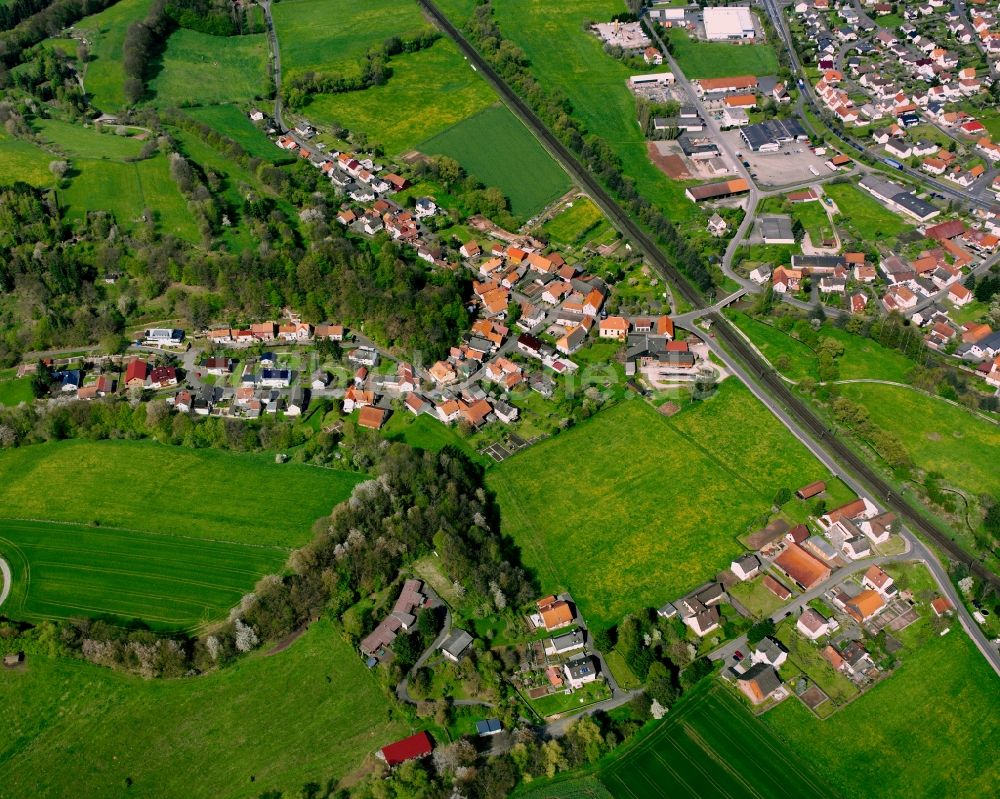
x: 412, y: 748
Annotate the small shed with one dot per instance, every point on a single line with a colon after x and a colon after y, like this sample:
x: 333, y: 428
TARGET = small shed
x: 811, y: 490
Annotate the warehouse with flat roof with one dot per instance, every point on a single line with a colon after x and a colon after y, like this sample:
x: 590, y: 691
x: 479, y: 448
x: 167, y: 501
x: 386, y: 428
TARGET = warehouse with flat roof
x: 728, y: 24
x: 768, y: 136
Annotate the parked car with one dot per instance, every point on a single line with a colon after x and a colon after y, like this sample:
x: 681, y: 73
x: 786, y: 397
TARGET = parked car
x: 738, y: 656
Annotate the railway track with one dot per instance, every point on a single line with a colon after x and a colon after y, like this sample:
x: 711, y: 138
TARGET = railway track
x: 721, y: 326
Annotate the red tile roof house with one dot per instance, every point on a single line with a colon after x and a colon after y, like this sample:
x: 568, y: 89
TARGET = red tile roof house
x: 412, y: 748
x: 135, y: 373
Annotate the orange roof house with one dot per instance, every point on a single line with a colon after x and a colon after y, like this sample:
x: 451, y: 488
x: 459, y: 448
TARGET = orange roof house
x: 865, y: 605
x: 801, y: 567
x: 371, y: 417
x: 555, y: 613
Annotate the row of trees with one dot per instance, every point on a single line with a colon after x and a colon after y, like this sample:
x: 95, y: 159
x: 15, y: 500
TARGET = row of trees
x: 144, y: 43
x: 597, y: 154
x: 47, y: 22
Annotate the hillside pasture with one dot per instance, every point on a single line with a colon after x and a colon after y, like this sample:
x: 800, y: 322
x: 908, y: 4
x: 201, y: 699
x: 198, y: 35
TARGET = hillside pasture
x: 167, y: 581
x: 202, y: 69
x: 937, y: 435
x: 430, y: 91
x: 74, y: 729
x: 197, y: 494
x: 863, y: 358
x: 500, y: 151
x: 104, y: 78
x: 630, y: 509
x: 231, y: 121
x: 332, y: 36
x: 125, y: 190
x: 77, y: 141
x: 22, y: 160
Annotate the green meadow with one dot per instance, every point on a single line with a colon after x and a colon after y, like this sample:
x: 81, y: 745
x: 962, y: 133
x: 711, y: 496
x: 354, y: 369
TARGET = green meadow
x: 429, y: 91
x: 629, y: 509
x: 104, y: 78
x: 499, y: 150
x: 699, y: 59
x: 65, y: 570
x: 231, y: 121
x: 202, y: 69
x: 190, y: 494
x: 312, y: 713
x: 863, y: 215
x: 938, y: 436
x: 332, y: 36
x: 573, y: 223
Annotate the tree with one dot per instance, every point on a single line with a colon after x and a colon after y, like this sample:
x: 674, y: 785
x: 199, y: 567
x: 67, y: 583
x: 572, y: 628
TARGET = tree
x: 759, y: 631
x: 58, y: 170
x: 695, y: 673
x: 991, y: 521
x: 782, y: 496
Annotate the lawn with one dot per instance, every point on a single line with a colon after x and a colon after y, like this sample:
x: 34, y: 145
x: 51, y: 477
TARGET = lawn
x: 937, y: 435
x: 710, y: 745
x: 756, y: 598
x: 104, y: 78
x: 79, y: 142
x: 125, y: 190
x: 929, y: 730
x: 232, y: 122
x: 170, y: 582
x: 493, y: 141
x: 22, y: 160
x: 814, y: 220
x: 864, y: 213
x: 429, y: 92
x: 594, y: 83
x: 561, y: 702
x: 426, y: 432
x: 14, y: 392
x: 202, y: 69
x: 630, y: 509
x: 862, y: 358
x: 73, y: 729
x: 719, y: 59
x: 190, y: 494
x: 574, y: 222
x: 332, y: 36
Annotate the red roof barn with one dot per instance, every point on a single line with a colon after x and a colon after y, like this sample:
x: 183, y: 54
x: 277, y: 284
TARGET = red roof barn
x: 419, y: 745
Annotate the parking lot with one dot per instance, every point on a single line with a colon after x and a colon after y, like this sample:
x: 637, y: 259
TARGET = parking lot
x: 789, y: 165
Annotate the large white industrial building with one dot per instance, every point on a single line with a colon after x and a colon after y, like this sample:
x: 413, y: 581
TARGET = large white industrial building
x: 731, y: 23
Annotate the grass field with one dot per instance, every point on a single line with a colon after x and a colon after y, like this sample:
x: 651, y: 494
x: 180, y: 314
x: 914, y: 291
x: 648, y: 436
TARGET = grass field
x: 630, y: 509
x: 425, y: 432
x: 80, y: 142
x: 814, y: 220
x: 22, y: 160
x: 73, y: 729
x: 332, y: 36
x: 14, y: 392
x: 710, y: 745
x: 573, y: 223
x: 232, y: 122
x: 104, y: 78
x: 62, y: 571
x: 125, y: 190
x: 862, y: 358
x: 495, y: 146
x: 929, y: 730
x: 191, y: 494
x: 202, y: 69
x: 594, y: 82
x: 865, y: 214
x: 937, y: 435
x: 429, y: 92
x: 719, y: 59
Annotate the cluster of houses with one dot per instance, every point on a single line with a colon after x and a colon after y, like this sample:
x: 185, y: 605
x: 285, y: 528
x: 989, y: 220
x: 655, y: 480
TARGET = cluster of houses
x: 289, y: 332
x: 928, y: 75
x: 562, y: 662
